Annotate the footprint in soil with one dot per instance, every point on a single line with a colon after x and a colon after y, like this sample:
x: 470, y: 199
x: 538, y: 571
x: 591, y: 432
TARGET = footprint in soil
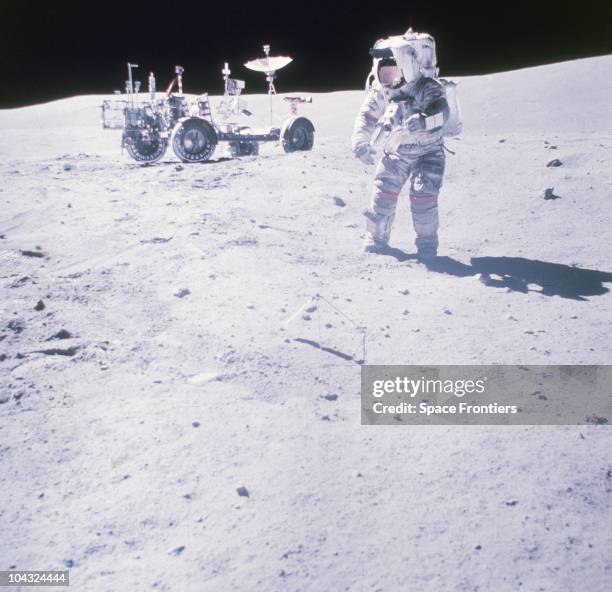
x: 16, y: 326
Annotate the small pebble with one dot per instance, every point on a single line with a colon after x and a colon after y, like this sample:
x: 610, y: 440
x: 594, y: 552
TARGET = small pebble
x: 182, y: 292
x: 549, y: 193
x: 61, y: 334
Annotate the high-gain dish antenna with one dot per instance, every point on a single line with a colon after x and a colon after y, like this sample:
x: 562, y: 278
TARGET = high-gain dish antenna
x: 269, y: 66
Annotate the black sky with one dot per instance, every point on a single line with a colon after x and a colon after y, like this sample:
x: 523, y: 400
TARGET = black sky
x: 56, y: 49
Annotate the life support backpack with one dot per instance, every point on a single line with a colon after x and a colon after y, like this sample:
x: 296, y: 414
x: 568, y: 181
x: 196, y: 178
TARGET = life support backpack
x: 425, y: 47
x: 453, y: 124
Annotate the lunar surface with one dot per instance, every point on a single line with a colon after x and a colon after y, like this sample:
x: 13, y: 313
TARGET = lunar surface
x: 180, y: 351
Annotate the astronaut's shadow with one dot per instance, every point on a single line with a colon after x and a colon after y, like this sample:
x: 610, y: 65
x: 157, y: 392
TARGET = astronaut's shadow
x: 524, y: 275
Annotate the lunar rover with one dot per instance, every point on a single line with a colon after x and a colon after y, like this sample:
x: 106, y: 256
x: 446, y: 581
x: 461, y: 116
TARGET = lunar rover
x: 150, y: 123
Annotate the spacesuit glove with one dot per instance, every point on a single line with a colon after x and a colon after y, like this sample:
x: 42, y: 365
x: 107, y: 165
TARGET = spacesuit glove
x: 364, y: 153
x: 416, y: 122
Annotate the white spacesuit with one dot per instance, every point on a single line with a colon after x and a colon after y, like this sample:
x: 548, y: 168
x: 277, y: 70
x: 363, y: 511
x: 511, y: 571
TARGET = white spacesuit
x: 402, y: 115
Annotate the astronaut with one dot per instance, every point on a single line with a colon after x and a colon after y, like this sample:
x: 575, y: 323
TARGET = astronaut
x: 402, y: 116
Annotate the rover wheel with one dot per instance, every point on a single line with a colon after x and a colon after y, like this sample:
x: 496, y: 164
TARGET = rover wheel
x: 146, y: 148
x: 194, y: 140
x: 299, y: 135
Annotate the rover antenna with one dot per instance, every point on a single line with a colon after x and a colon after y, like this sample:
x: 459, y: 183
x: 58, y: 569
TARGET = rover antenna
x: 269, y: 66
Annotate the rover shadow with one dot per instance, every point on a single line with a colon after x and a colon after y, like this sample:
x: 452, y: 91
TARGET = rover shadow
x: 177, y: 163
x: 520, y: 275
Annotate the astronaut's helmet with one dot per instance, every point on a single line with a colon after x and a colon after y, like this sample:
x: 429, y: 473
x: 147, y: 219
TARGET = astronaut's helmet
x: 395, y: 62
x: 414, y: 54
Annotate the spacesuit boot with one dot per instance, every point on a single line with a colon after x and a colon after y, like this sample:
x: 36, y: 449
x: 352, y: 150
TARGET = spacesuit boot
x: 425, y: 220
x: 378, y: 229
